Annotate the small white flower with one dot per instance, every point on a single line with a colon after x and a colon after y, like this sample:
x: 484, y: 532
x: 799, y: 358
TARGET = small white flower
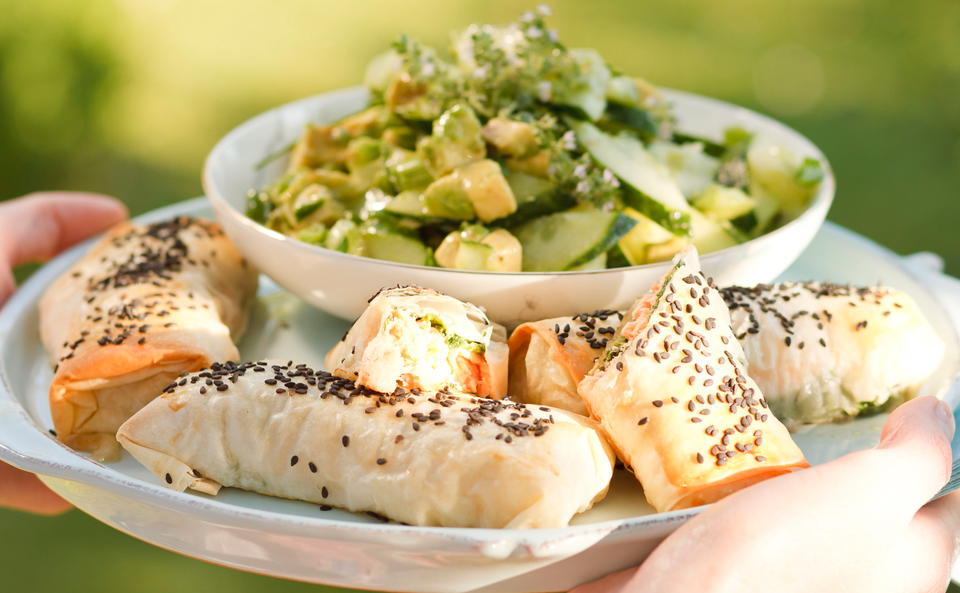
x: 675, y: 215
x: 526, y: 17
x: 480, y: 71
x: 544, y: 89
x: 544, y: 10
x: 610, y: 179
x: 534, y: 32
x: 580, y: 171
x: 583, y: 187
x: 569, y: 140
x: 427, y: 68
x: 552, y: 34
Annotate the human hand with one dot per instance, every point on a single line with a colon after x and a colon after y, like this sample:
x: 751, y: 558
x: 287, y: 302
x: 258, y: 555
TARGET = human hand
x: 860, y: 523
x: 35, y: 228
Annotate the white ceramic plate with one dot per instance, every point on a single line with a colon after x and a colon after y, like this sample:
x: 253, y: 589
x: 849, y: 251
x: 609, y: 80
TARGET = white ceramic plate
x: 299, y: 541
x: 340, y: 282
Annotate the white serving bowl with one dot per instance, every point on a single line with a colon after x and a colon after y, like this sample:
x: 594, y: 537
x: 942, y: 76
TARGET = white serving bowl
x: 340, y: 283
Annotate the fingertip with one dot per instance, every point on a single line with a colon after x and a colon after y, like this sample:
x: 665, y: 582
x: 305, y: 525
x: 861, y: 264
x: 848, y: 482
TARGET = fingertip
x: 927, y: 412
x: 40, y: 225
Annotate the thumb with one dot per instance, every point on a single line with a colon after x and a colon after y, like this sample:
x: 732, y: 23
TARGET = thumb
x: 914, y: 456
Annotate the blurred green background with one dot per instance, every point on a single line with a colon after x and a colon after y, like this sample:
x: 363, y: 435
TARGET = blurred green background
x: 125, y: 97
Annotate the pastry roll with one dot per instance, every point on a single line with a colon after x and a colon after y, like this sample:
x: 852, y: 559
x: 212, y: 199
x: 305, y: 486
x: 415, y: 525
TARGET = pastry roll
x: 424, y: 458
x: 418, y: 338
x: 548, y: 358
x: 144, y: 305
x: 823, y: 352
x: 672, y: 396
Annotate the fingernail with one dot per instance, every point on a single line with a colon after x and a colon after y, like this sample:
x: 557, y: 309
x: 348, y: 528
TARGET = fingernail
x: 944, y: 416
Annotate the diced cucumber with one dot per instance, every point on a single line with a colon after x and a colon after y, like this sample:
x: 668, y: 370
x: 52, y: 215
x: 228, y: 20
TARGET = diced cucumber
x: 314, y: 234
x: 472, y: 255
x: 455, y: 141
x: 724, y: 203
x: 406, y: 171
x: 345, y: 236
x: 565, y: 240
x: 475, y: 247
x: 446, y: 198
x: 259, y: 205
x: 650, y: 189
x: 311, y: 199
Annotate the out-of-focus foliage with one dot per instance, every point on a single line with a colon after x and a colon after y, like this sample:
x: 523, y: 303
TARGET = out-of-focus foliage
x: 127, y: 96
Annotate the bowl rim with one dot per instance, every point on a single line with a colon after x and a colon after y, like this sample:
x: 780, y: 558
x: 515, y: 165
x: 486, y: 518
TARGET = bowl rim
x: 816, y: 209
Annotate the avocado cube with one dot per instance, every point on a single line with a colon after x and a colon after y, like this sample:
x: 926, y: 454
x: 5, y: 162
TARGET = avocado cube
x: 513, y: 138
x: 487, y: 189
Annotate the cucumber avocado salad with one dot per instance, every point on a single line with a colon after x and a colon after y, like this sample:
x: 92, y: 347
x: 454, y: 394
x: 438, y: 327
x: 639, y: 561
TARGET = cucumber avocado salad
x: 510, y: 152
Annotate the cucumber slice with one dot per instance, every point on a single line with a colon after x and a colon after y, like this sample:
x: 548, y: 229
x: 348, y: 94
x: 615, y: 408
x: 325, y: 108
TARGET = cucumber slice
x: 724, y: 203
x: 408, y: 203
x: 616, y: 258
x: 535, y: 197
x: 622, y: 89
x: 635, y: 118
x: 597, y: 263
x: 766, y: 210
x: 646, y: 232
x: 690, y: 166
x: 569, y: 239
x: 666, y: 250
x: 709, y: 235
x: 649, y: 187
x: 587, y: 93
x: 396, y: 247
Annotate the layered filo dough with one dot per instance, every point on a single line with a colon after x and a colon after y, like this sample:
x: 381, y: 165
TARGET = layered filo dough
x: 418, y: 338
x: 672, y: 396
x: 824, y: 352
x: 424, y: 458
x: 144, y: 305
x: 548, y: 358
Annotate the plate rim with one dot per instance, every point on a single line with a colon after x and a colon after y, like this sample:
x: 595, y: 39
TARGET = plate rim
x: 67, y: 464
